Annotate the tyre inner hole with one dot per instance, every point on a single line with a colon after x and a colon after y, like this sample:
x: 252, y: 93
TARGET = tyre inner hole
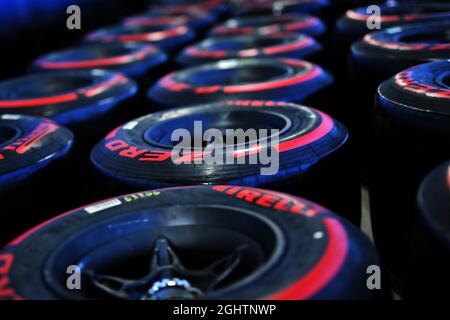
x: 7, y: 134
x: 434, y: 37
x: 236, y: 75
x: 255, y: 22
x: 243, y: 43
x: 161, y: 133
x: 443, y: 80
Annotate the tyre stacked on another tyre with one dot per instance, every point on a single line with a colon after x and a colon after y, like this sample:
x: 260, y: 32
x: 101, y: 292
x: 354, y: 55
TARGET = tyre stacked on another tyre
x: 430, y: 260
x: 209, y: 242
x: 32, y: 150
x: 382, y: 54
x: 353, y: 25
x: 411, y: 136
x: 356, y: 23
x: 310, y: 156
x: 89, y: 102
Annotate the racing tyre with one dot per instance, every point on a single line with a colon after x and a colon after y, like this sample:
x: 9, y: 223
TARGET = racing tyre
x: 430, y: 260
x: 250, y: 46
x: 411, y: 137
x: 192, y: 242
x: 300, y: 23
x: 217, y: 7
x: 382, y: 54
x: 168, y: 37
x: 264, y: 7
x: 194, y: 18
x: 353, y: 25
x: 399, y: 48
x: 279, y: 79
x: 136, y: 60
x: 305, y: 152
x: 68, y: 97
x: 31, y: 149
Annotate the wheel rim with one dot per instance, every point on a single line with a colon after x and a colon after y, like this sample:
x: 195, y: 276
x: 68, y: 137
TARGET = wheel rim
x: 185, y: 252
x: 161, y: 133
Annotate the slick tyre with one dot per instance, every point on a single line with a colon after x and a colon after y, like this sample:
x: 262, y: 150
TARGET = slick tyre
x: 430, y: 242
x: 135, y: 60
x: 27, y: 145
x: 309, y: 153
x: 279, y: 79
x: 396, y: 49
x: 353, y: 25
x: 168, y: 37
x: 411, y: 137
x: 247, y: 8
x: 68, y: 97
x: 250, y: 46
x: 34, y: 152
x: 268, y: 24
x: 296, y: 250
x: 142, y: 152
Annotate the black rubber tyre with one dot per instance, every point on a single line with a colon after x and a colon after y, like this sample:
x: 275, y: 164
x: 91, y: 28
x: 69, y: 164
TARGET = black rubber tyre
x: 136, y: 60
x: 340, y: 6
x: 430, y: 260
x: 28, y: 144
x: 300, y: 23
x: 68, y: 97
x: 246, y: 8
x: 217, y: 7
x: 89, y: 102
x: 412, y: 121
x: 383, y: 54
x: 396, y: 49
x: 249, y: 46
x: 353, y: 25
x: 313, y: 154
x: 194, y: 18
x: 168, y: 37
x: 285, y: 248
x: 31, y: 149
x: 278, y: 79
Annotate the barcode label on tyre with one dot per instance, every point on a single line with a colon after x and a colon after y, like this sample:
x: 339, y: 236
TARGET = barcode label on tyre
x: 103, y: 206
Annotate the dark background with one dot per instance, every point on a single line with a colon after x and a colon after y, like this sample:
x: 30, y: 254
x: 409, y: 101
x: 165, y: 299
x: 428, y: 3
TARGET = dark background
x: 29, y: 28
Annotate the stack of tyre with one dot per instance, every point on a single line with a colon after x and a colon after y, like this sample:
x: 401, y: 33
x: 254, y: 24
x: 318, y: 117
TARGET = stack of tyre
x: 145, y: 108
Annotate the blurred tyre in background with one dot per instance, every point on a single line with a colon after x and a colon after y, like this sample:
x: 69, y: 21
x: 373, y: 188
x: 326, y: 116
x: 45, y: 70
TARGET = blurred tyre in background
x: 33, y: 158
x: 286, y: 45
x: 168, y: 37
x: 430, y: 241
x: 268, y: 24
x: 142, y: 62
x: 411, y: 137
